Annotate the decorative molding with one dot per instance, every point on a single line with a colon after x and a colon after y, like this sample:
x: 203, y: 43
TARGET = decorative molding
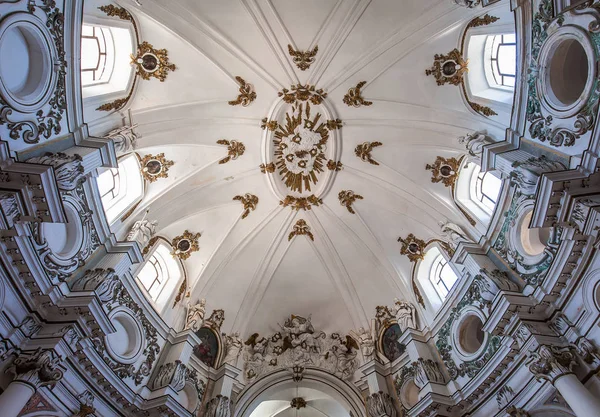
x: 155, y: 167
x: 347, y: 198
x: 249, y: 201
x: 150, y: 62
x: 303, y: 60
x: 39, y: 368
x: 301, y: 228
x: 363, y: 151
x: 445, y: 170
x: 354, y: 98
x: 247, y: 94
x: 267, y: 168
x: 235, y: 149
x: 185, y: 244
x: 301, y: 92
x: 304, y: 203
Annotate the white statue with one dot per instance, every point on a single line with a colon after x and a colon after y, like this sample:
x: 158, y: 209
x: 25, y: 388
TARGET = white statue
x: 124, y: 139
x: 233, y: 347
x: 195, y: 316
x: 453, y: 233
x: 367, y: 343
x: 405, y: 315
x: 142, y: 231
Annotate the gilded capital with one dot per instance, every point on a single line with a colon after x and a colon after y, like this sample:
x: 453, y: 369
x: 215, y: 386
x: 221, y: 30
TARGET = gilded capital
x: 39, y: 368
x: 552, y: 362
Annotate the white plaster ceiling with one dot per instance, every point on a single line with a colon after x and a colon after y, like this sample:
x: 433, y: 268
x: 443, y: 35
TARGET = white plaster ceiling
x: 247, y: 266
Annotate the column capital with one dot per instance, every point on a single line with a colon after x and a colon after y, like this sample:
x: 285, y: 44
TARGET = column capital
x: 220, y: 406
x: 552, y: 362
x: 380, y: 404
x: 39, y: 368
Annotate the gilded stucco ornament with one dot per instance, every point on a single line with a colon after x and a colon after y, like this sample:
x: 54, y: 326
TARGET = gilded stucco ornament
x: 347, y: 198
x: 184, y: 245
x: 303, y: 59
x: 444, y: 170
x: 354, y: 96
x: 249, y: 201
x: 247, y: 94
x: 363, y: 151
x: 155, y: 167
x: 235, y: 149
x: 301, y: 203
x: 301, y: 228
x: 151, y: 63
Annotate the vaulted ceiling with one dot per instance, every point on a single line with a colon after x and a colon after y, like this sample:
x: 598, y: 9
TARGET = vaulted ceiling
x: 250, y: 267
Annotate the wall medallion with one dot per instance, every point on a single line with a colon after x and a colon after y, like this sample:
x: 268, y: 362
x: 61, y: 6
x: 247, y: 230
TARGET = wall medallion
x: 150, y: 62
x: 303, y: 59
x: 184, y: 245
x: 155, y: 167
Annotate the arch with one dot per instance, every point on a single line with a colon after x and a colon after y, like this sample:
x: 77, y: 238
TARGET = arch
x: 346, y: 395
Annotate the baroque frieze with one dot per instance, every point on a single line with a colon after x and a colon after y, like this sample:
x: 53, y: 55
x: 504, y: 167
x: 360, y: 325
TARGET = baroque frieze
x: 247, y: 94
x: 249, y: 201
x: 235, y: 149
x: 354, y: 98
x: 363, y: 151
x: 301, y: 228
x: 185, y: 244
x: 303, y: 59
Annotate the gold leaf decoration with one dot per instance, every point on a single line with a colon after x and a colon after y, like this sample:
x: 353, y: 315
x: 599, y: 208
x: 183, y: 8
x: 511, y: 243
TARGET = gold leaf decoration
x: 334, y: 124
x: 184, y: 245
x: 363, y: 151
x: 449, y: 68
x: 155, y: 167
x: 235, y: 149
x: 270, y: 167
x: 271, y: 125
x: 249, y: 201
x: 247, y: 94
x: 334, y: 166
x: 301, y: 92
x: 412, y: 247
x: 150, y: 62
x: 444, y: 170
x: 303, y: 60
x: 347, y: 198
x: 304, y: 203
x: 301, y: 228
x: 354, y: 98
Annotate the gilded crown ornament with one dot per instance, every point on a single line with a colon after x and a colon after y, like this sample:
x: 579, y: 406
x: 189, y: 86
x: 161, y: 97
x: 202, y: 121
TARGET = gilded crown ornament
x: 298, y: 203
x: 301, y: 228
x: 412, y: 247
x: 150, y: 62
x: 249, y: 201
x: 247, y: 94
x: 155, y: 167
x: 347, y: 198
x: 354, y: 96
x: 235, y: 149
x: 449, y: 68
x: 303, y: 59
x: 363, y: 151
x: 445, y: 170
x: 184, y: 245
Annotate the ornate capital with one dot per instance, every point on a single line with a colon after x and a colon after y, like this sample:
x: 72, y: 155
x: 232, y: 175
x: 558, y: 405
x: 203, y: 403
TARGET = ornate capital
x: 220, y: 406
x: 39, y: 368
x: 552, y: 362
x: 380, y: 404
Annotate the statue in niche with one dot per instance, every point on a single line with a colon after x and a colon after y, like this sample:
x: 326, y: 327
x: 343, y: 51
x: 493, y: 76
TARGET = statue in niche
x: 142, y: 231
x: 195, y: 315
x: 233, y: 347
x: 405, y: 314
x: 453, y: 233
x: 366, y: 340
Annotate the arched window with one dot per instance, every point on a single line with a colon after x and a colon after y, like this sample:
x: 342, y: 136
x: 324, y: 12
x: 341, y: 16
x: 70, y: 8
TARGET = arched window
x: 160, y: 275
x: 501, y: 60
x: 442, y: 276
x: 120, y: 188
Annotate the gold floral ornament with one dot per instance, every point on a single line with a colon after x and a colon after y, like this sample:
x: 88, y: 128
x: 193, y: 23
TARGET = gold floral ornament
x: 249, y: 201
x: 184, y: 245
x: 247, y: 94
x: 301, y: 203
x: 354, y: 97
x: 334, y: 166
x: 150, y: 62
x: 270, y: 167
x: 363, y: 151
x: 412, y: 247
x: 301, y: 92
x: 303, y: 60
x: 301, y: 228
x: 448, y: 68
x: 235, y: 149
x: 445, y: 170
x: 271, y: 125
x: 155, y: 167
x: 347, y: 198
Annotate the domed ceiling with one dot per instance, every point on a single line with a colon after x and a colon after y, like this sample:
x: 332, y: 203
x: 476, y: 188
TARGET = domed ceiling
x: 299, y: 133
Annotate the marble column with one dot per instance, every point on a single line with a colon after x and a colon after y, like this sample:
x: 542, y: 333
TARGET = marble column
x: 33, y: 370
x: 555, y: 364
